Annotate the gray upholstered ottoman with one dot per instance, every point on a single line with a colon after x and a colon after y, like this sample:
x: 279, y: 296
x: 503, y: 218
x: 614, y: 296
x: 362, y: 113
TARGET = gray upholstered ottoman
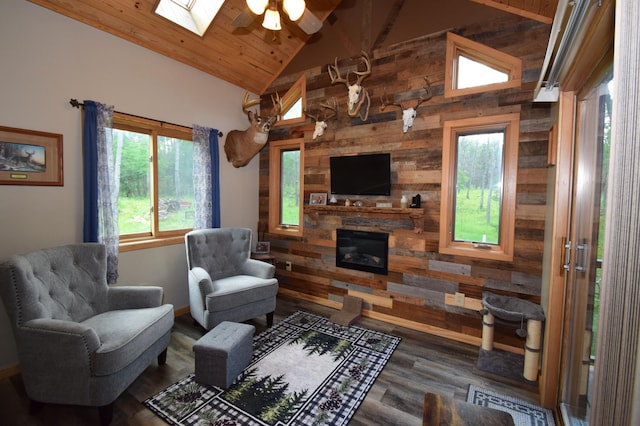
x: 223, y: 353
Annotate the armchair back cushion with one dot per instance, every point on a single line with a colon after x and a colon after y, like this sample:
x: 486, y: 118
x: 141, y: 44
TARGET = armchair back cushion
x: 72, y: 283
x: 221, y: 254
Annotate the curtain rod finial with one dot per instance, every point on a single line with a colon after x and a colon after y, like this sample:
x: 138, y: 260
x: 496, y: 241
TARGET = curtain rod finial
x: 74, y: 103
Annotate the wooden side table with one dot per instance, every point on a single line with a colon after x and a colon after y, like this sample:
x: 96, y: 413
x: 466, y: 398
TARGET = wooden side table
x: 265, y: 257
x: 442, y: 410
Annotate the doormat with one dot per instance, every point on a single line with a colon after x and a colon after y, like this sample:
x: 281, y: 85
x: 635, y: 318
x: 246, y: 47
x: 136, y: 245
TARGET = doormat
x: 523, y: 412
x: 306, y: 370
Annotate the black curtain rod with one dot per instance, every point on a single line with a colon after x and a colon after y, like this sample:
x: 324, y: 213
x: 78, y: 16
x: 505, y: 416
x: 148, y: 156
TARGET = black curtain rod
x: 77, y: 104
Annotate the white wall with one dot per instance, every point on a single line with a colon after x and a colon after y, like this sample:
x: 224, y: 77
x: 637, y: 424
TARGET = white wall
x: 48, y: 59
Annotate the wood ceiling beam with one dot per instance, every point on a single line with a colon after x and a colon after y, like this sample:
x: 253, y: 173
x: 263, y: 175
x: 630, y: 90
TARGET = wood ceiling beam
x: 389, y: 23
x: 365, y: 25
x: 538, y: 10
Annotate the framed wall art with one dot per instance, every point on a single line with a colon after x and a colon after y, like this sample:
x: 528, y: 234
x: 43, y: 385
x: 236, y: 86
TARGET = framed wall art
x: 30, y: 157
x: 318, y: 199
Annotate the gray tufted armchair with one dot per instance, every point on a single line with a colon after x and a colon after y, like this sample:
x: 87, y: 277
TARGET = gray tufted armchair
x: 80, y: 341
x: 225, y: 284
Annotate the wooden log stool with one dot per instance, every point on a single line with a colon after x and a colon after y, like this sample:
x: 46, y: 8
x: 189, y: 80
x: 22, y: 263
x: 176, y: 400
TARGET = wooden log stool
x: 223, y: 353
x: 443, y: 410
x: 350, y: 313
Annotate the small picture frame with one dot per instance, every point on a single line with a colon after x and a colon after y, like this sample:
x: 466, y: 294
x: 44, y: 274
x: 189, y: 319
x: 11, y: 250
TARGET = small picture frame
x: 30, y: 157
x: 318, y: 199
x: 263, y: 247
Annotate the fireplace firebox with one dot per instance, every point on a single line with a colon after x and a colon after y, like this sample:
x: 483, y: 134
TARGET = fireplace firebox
x: 362, y: 250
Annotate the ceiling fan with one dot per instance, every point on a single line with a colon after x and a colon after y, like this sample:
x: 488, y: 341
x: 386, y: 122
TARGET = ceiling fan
x: 296, y: 10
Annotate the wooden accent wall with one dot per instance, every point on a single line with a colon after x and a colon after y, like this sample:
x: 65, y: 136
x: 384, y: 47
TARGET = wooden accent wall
x: 419, y: 290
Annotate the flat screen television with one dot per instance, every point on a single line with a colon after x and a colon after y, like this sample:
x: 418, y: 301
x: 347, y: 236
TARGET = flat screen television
x: 367, y: 174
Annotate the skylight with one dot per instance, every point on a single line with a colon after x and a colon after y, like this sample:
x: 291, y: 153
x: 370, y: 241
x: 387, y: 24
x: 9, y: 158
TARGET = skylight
x: 194, y: 15
x: 187, y: 4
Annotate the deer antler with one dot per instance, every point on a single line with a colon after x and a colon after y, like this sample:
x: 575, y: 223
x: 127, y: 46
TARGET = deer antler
x: 427, y: 88
x: 385, y: 102
x: 277, y: 104
x: 363, y: 74
x: 246, y: 103
x: 333, y: 106
x: 337, y: 78
x: 314, y: 117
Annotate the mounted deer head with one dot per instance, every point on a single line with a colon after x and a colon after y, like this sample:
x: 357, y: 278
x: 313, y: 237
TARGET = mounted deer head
x: 358, y: 104
x: 242, y: 145
x: 321, y: 125
x: 408, y: 114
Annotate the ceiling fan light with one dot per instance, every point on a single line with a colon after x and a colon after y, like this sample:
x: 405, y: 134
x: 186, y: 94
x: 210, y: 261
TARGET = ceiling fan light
x: 257, y: 6
x: 272, y: 20
x: 294, y: 8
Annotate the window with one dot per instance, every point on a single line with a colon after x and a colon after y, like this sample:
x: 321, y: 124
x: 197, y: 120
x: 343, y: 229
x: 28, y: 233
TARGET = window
x: 479, y: 170
x: 193, y: 15
x: 473, y: 74
x: 472, y: 67
x: 154, y: 163
x: 286, y: 169
x: 293, y: 103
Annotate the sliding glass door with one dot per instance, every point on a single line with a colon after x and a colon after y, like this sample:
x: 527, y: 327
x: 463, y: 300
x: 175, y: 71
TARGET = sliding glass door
x: 584, y: 248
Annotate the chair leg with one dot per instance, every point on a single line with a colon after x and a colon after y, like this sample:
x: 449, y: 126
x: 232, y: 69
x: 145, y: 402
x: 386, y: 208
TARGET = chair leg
x: 162, y: 358
x: 270, y: 319
x: 106, y: 414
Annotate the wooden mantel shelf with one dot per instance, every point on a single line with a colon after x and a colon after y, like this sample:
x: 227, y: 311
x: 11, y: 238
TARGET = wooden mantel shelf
x: 416, y: 215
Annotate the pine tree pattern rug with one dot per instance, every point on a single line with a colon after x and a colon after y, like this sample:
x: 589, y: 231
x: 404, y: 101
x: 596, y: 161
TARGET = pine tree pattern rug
x: 306, y: 370
x: 523, y: 412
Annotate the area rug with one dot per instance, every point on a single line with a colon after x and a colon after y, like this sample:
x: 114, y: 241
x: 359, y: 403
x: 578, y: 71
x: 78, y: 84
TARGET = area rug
x: 305, y: 370
x: 523, y: 412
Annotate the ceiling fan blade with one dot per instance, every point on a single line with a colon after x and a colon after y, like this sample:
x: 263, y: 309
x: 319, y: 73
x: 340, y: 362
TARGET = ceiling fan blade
x: 244, y: 19
x: 309, y: 23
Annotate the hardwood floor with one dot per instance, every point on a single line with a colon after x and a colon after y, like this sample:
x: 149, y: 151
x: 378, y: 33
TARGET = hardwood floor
x: 421, y: 363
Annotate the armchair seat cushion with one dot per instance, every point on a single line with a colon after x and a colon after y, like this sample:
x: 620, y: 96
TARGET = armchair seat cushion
x: 239, y: 290
x: 125, y: 334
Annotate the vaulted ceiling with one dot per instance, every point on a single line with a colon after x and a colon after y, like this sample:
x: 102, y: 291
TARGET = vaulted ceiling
x: 253, y: 57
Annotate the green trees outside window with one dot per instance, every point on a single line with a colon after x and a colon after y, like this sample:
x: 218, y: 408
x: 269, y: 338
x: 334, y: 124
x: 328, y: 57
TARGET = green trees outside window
x: 290, y: 187
x: 160, y: 190
x: 478, y: 187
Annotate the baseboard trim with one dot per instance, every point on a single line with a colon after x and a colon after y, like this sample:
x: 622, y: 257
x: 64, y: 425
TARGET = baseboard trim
x: 180, y: 311
x: 425, y: 328
x: 13, y: 370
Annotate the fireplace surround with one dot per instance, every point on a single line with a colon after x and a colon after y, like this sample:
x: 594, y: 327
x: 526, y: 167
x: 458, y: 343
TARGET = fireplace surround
x: 362, y: 250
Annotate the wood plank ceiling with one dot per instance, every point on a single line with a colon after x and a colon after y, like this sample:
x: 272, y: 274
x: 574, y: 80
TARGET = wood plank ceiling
x: 251, y: 57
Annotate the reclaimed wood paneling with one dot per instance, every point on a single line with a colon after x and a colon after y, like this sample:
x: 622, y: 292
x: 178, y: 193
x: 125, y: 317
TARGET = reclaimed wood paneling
x: 419, y: 290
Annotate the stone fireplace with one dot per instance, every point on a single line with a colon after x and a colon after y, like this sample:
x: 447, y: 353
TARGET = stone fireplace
x: 362, y: 250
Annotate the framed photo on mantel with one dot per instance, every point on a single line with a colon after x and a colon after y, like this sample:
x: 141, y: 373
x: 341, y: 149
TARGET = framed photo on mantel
x: 263, y: 247
x: 318, y: 199
x: 30, y: 157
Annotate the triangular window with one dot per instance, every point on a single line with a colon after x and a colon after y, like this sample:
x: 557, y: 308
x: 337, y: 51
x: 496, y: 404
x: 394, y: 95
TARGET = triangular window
x: 473, y: 67
x: 293, y: 102
x: 473, y: 74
